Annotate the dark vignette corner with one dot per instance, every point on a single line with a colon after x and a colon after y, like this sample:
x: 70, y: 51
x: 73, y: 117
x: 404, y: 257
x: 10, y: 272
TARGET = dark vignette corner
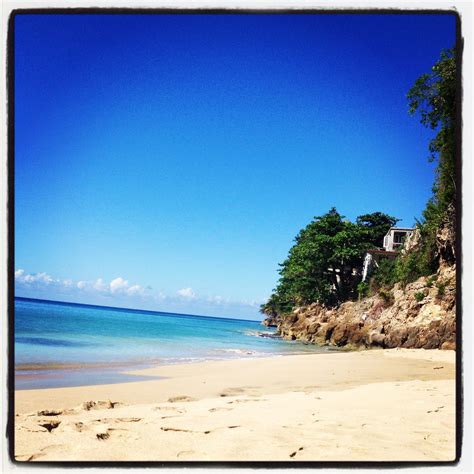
x: 11, y: 232
x: 459, y: 266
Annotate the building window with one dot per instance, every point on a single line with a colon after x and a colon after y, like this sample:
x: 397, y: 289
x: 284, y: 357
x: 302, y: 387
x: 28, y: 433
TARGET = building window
x: 399, y: 237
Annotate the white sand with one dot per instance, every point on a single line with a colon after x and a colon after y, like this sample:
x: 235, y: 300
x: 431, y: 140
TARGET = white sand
x: 368, y: 405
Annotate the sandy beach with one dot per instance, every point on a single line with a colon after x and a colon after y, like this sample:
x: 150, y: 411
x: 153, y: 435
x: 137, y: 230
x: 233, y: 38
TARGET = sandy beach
x: 375, y: 405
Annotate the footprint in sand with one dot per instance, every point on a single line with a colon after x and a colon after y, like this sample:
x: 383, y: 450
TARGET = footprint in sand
x: 103, y: 433
x: 98, y: 426
x: 220, y: 409
x: 118, y: 420
x: 246, y: 390
x: 80, y: 426
x: 246, y: 400
x: 181, y: 398
x: 232, y: 391
x: 50, y: 412
x: 100, y: 405
x: 180, y: 430
x: 50, y: 425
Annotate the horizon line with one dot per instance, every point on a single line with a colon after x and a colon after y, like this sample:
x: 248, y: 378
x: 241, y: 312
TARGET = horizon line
x: 137, y: 310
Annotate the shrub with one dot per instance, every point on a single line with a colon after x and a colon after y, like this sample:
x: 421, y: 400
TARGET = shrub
x: 441, y: 289
x: 419, y: 296
x: 385, y: 275
x: 410, y: 267
x: 431, y: 281
x: 386, y: 296
x: 362, y: 289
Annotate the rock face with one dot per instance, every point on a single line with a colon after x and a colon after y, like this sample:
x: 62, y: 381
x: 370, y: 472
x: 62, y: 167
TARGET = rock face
x: 412, y: 242
x: 271, y: 321
x: 446, y: 239
x: 422, y: 315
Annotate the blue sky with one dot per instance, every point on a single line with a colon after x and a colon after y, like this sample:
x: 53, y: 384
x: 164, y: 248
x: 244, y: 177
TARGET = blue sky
x: 167, y: 162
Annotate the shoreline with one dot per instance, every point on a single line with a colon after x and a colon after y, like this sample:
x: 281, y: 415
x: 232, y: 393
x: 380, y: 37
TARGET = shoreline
x: 127, y: 368
x: 404, y: 364
x: 394, y: 404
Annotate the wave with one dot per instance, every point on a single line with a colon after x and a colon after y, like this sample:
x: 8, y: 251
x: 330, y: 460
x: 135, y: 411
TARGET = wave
x: 269, y: 334
x: 237, y: 351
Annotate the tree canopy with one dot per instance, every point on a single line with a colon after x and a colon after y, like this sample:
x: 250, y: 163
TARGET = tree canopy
x: 433, y: 97
x: 321, y: 265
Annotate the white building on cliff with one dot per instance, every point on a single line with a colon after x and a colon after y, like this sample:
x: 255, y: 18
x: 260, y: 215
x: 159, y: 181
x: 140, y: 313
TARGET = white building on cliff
x: 395, y: 237
x: 392, y: 242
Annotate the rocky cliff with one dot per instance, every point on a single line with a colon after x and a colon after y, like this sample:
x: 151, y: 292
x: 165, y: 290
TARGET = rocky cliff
x: 272, y: 321
x: 420, y: 315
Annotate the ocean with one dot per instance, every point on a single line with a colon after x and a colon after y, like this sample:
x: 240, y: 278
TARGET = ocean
x: 67, y: 344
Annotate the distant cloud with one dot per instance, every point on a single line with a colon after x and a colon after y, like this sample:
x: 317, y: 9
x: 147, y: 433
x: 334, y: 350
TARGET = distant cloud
x: 217, y: 299
x: 34, y: 279
x: 100, y: 291
x: 135, y: 290
x: 37, y: 281
x: 100, y: 285
x: 118, y: 285
x: 186, y: 293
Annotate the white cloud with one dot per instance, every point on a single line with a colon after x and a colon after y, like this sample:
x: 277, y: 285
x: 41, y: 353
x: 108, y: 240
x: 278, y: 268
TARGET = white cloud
x: 38, y: 281
x: 217, y: 300
x: 100, y: 285
x: 118, y: 284
x: 135, y: 290
x: 121, y: 286
x: 19, y: 273
x: 33, y: 279
x: 184, y: 300
x: 186, y: 293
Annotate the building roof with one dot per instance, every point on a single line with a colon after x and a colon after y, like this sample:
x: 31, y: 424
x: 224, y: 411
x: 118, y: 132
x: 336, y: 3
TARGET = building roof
x: 401, y: 228
x: 408, y: 229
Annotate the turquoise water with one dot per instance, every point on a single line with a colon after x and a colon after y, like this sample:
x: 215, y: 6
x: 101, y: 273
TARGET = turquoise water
x: 61, y: 344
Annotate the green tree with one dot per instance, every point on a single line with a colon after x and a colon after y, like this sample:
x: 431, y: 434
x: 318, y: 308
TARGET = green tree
x: 376, y: 226
x: 433, y: 96
x: 322, y: 264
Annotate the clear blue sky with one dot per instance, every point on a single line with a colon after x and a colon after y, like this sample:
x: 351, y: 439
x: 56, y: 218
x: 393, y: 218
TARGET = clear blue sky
x: 167, y: 162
